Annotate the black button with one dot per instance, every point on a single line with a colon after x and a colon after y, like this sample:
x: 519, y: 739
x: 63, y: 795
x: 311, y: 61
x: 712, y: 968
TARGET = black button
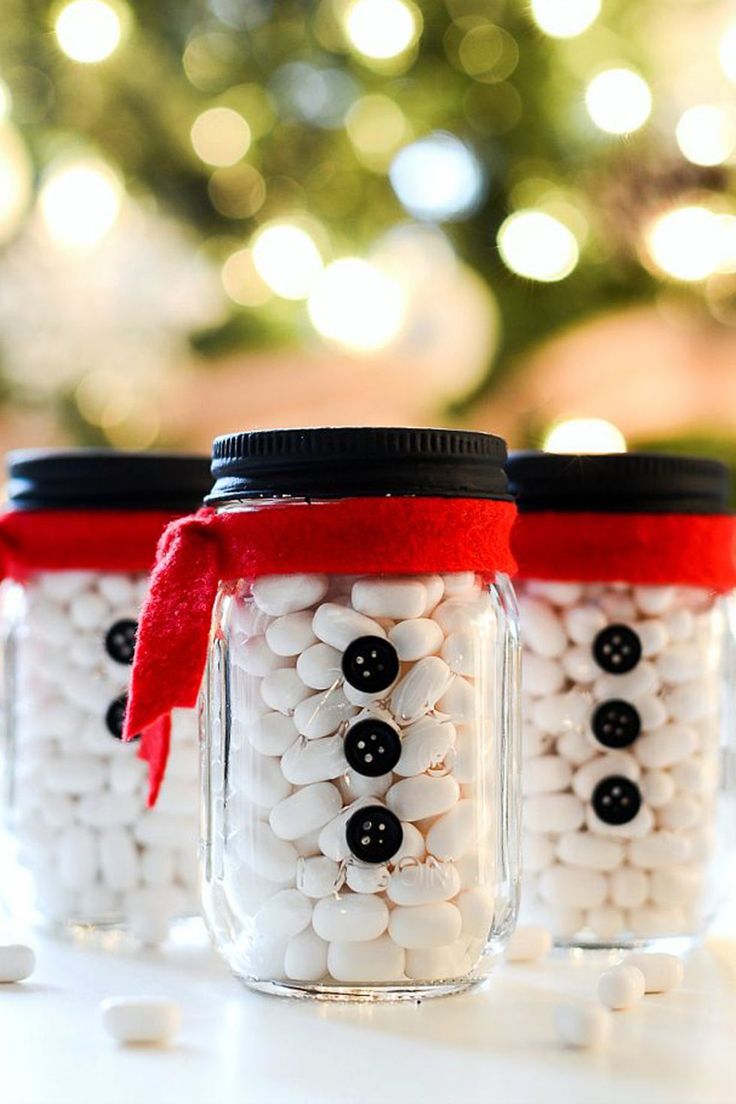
x: 616, y: 800
x: 616, y: 723
x: 374, y: 834
x: 372, y: 747
x: 370, y: 663
x: 617, y: 649
x: 115, y: 717
x: 120, y: 640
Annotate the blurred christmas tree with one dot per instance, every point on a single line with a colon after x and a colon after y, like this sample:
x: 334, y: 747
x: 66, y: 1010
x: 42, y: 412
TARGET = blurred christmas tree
x: 323, y: 159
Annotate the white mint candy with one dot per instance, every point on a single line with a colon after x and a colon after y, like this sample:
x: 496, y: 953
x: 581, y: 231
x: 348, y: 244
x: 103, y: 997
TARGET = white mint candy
x: 420, y: 927
x: 583, y: 1025
x: 318, y: 876
x: 457, y: 614
x: 559, y: 812
x: 546, y: 774
x: 354, y: 785
x: 579, y: 665
x: 118, y: 859
x: 458, y: 582
x: 621, y: 987
x: 684, y: 811
x: 659, y: 849
x: 322, y: 714
x: 423, y: 883
x: 77, y: 858
x: 306, y: 957
x: 283, y: 690
x: 438, y: 963
x: 606, y: 921
x: 541, y: 676
x: 384, y: 597
x: 284, y: 915
x: 291, y: 634
x: 583, y: 623
x: 305, y: 811
x: 662, y: 972
x: 339, y: 626
x: 367, y: 877
x: 476, y: 907
x: 141, y: 1019
x: 560, y: 713
x: 256, y: 657
x: 272, y: 734
x: 416, y: 639
x: 314, y: 760
x: 320, y: 666
x: 576, y: 747
x: 422, y: 796
x: 587, y: 777
x: 692, y: 701
x: 280, y: 594
x: 587, y: 850
x: 528, y: 944
x: 653, y: 600
x: 454, y: 834
x: 268, y: 856
x: 350, y: 918
x: 629, y: 887
x: 559, y: 594
x: 459, y: 701
x: 675, y: 886
x: 17, y: 962
x: 667, y: 746
x: 542, y: 629
x: 74, y: 774
x: 652, y: 921
x: 425, y: 744
x: 538, y: 852
x: 420, y: 689
x: 435, y: 588
x: 332, y: 838
x: 370, y: 963
x: 632, y: 686
x: 412, y: 845
x: 88, y: 610
x: 657, y: 788
x: 572, y: 886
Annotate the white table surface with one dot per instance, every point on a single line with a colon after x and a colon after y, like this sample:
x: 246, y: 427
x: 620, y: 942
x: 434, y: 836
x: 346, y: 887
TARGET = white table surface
x: 493, y: 1045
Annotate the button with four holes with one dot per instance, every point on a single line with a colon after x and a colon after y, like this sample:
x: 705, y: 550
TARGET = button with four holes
x: 374, y: 834
x: 617, y: 649
x: 120, y: 640
x: 115, y: 717
x: 616, y: 723
x: 372, y: 747
x: 616, y: 800
x: 371, y: 664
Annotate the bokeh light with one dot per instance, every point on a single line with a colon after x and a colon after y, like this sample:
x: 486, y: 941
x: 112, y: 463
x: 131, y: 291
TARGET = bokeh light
x: 536, y: 245
x: 80, y: 204
x: 686, y: 243
x: 382, y: 29
x: 313, y: 94
x: 241, y: 280
x: 618, y: 101
x: 220, y: 136
x: 706, y: 134
x: 356, y: 305
x: 4, y: 101
x: 565, y: 18
x: 16, y: 179
x: 727, y: 53
x: 287, y: 259
x: 437, y: 178
x: 582, y: 435
x: 88, y: 30
x: 377, y: 127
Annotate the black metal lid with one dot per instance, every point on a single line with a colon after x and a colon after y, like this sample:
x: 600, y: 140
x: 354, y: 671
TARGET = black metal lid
x: 104, y: 479
x: 357, y: 462
x: 626, y: 482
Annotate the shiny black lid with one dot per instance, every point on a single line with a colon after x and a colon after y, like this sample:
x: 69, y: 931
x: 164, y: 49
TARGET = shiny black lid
x: 625, y: 482
x: 358, y: 462
x: 104, y: 479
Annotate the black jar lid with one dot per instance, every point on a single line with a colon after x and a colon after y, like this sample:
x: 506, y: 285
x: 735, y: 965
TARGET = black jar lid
x: 358, y: 462
x: 625, y: 482
x: 104, y: 479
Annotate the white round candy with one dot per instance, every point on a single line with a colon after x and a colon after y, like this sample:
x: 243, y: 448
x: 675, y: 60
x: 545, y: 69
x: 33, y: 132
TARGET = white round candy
x: 118, y: 859
x: 306, y: 957
x: 318, y: 876
x: 280, y: 594
x: 541, y: 676
x: 369, y: 963
x: 314, y: 760
x: 582, y: 1025
x: 141, y: 1019
x: 320, y: 666
x: 667, y: 746
x: 77, y: 858
x: 416, y: 883
x: 291, y: 634
x: 384, y: 597
x: 662, y: 972
x: 587, y: 850
x: 268, y: 856
x: 541, y: 628
x: 420, y: 689
x: 350, y: 918
x: 546, y: 774
x: 438, y: 963
x: 284, y: 915
x: 425, y: 744
x: 420, y: 927
x: 283, y: 690
x: 322, y: 714
x: 629, y: 887
x: 583, y: 623
x: 559, y: 812
x: 88, y: 610
x: 422, y: 796
x: 367, y: 877
x: 660, y: 848
x: 416, y: 639
x: 256, y: 657
x: 338, y: 626
x: 572, y: 887
x: 17, y: 962
x: 305, y: 811
x: 272, y: 734
x: 528, y: 944
x: 453, y: 834
x: 476, y: 907
x: 621, y: 987
x: 653, y: 600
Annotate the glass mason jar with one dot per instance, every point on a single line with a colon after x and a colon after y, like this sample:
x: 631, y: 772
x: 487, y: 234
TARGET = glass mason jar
x: 359, y: 768
x: 87, y: 850
x: 627, y: 694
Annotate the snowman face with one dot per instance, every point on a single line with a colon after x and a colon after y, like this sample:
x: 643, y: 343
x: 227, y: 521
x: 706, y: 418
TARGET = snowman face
x: 620, y: 703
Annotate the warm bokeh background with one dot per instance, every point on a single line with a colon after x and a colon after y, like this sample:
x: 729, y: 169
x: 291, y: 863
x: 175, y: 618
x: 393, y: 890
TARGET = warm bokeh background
x: 505, y: 214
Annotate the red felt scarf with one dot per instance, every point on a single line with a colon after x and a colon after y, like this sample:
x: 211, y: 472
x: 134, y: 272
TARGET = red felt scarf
x: 394, y: 536
x: 645, y: 549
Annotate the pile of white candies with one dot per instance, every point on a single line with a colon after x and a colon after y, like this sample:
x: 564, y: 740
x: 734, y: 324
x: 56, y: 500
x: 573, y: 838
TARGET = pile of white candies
x: 310, y: 910
x: 645, y: 877
x: 95, y: 853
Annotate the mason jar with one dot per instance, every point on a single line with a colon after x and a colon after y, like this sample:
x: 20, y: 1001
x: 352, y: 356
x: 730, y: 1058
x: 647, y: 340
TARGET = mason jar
x: 77, y: 543
x: 359, y: 762
x: 626, y: 569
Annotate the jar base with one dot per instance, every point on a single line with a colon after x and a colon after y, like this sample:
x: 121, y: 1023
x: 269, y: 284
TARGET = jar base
x: 672, y: 944
x: 389, y: 993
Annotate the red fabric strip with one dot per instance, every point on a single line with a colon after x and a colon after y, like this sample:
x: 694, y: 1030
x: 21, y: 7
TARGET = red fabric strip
x: 394, y: 536
x: 647, y: 549
x: 78, y: 540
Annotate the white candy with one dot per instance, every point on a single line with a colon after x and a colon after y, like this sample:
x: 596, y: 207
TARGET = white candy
x: 268, y: 856
x: 322, y: 714
x: 332, y: 839
x: 542, y: 630
x: 157, y: 866
x: 281, y: 594
x: 256, y: 657
x: 651, y: 921
x: 439, y: 963
x: 587, y: 777
x: 659, y: 849
x: 606, y: 921
x: 621, y: 987
x: 420, y: 927
x: 582, y: 1025
x: 580, y: 666
x: 416, y: 639
x: 350, y: 918
x: 538, y: 852
x: 541, y: 676
x: 528, y: 944
x: 583, y: 623
x: 420, y: 689
x: 291, y: 634
x: 339, y: 626
x: 572, y: 886
x: 371, y: 962
x: 74, y: 774
x: 684, y: 811
x: 305, y: 811
x: 662, y: 972
x: 585, y: 849
x: 412, y: 846
x: 314, y: 760
x: 108, y: 810
x: 560, y: 713
x: 306, y: 957
x: 78, y: 857
x: 141, y: 1019
x: 632, y: 686
x: 459, y: 701
x: 476, y: 907
x: 666, y: 746
x: 17, y: 962
x: 425, y: 744
x: 272, y: 734
x: 284, y: 915
x: 367, y: 878
x: 576, y: 747
x: 453, y: 835
x: 458, y: 582
x: 546, y: 774
x: 653, y: 600
x: 554, y: 813
x: 88, y: 610
x: 318, y: 876
x: 422, y: 796
x: 423, y: 883
x: 435, y: 588
x: 559, y: 594
x: 320, y: 666
x: 692, y: 701
x: 283, y: 690
x: 657, y: 788
x: 118, y: 859
x: 629, y: 887
x: 385, y: 597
